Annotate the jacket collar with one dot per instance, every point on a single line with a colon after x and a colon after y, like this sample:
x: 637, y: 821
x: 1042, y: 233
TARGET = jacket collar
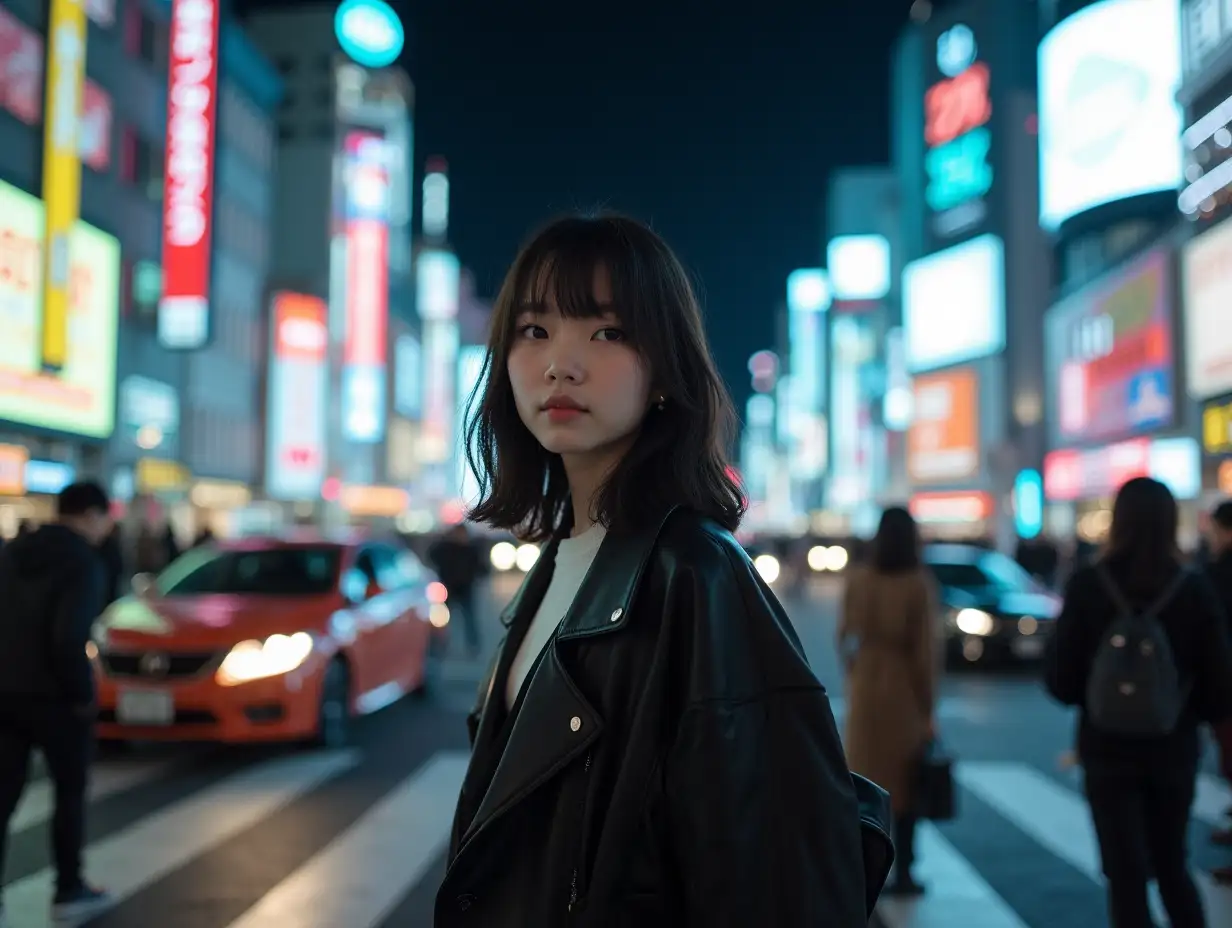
x: 602, y: 602
x: 556, y: 723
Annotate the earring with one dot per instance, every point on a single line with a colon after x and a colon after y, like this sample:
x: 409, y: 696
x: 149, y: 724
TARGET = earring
x: 661, y: 403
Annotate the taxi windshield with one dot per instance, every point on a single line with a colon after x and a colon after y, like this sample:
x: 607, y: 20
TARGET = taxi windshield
x: 298, y: 571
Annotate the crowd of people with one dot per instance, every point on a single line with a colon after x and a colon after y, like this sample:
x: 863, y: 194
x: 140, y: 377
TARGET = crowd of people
x: 1142, y: 649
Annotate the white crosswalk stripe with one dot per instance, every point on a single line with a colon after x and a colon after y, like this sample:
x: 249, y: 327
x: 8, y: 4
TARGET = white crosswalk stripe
x: 370, y: 867
x: 957, y: 896
x: 105, y: 780
x: 1058, y: 819
x: 158, y: 844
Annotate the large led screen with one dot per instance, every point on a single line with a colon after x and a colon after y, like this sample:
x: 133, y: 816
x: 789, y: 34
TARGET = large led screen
x: 954, y: 304
x: 1206, y: 273
x: 80, y: 397
x: 1108, y: 117
x: 1110, y: 356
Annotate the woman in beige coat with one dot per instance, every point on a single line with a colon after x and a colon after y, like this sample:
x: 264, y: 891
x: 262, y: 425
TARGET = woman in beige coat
x: 887, y: 634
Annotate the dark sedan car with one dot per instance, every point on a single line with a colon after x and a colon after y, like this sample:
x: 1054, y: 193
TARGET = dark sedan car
x: 993, y: 609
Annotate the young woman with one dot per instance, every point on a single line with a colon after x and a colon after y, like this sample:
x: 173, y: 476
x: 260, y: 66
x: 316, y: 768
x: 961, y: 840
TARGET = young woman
x: 1140, y: 786
x: 888, y: 632
x: 651, y: 748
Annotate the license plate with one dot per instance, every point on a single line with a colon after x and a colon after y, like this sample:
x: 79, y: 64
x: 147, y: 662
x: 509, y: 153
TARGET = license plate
x: 145, y: 707
x: 1028, y: 647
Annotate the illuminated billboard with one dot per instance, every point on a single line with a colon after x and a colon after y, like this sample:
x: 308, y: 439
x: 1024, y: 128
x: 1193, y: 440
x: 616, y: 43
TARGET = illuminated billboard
x: 943, y: 441
x: 858, y: 267
x: 1108, y: 116
x: 80, y: 398
x: 296, y: 411
x: 954, y: 304
x: 367, y: 286
x: 66, y: 71
x: 957, y: 118
x: 1206, y: 275
x: 1109, y: 354
x: 438, y: 278
x: 188, y: 185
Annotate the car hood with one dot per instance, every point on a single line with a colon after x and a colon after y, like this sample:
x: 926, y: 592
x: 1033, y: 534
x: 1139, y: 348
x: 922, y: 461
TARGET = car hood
x: 1040, y: 605
x: 209, y: 621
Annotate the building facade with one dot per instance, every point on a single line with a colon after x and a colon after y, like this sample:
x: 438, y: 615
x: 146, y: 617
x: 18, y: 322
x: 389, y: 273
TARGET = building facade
x: 168, y: 415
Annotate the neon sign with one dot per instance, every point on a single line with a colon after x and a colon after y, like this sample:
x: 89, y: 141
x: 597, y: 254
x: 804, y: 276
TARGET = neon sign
x: 957, y: 111
x: 958, y: 105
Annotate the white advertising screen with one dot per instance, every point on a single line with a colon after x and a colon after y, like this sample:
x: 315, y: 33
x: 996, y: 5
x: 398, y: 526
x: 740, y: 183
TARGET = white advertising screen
x: 1108, y: 117
x: 296, y: 436
x: 954, y: 304
x: 1206, y: 279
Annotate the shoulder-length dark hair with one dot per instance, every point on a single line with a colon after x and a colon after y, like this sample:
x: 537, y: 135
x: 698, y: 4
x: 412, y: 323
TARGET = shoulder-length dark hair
x: 896, y: 546
x: 1142, y: 543
x: 680, y: 453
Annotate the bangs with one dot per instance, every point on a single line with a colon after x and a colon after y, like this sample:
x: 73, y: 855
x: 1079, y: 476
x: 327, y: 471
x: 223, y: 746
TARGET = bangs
x: 560, y: 271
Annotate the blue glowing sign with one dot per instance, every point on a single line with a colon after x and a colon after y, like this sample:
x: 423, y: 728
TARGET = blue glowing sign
x: 958, y: 171
x: 370, y: 32
x: 1028, y: 503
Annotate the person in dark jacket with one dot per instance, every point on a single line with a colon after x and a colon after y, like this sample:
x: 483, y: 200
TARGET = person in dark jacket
x: 52, y: 587
x: 1140, y: 789
x: 651, y: 747
x: 1219, y: 569
x: 458, y: 562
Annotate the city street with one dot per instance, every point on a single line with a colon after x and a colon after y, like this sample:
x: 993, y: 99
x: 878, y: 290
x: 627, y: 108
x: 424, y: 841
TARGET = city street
x: 295, y: 839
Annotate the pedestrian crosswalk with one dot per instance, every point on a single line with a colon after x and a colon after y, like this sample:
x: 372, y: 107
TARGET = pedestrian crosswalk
x: 340, y: 839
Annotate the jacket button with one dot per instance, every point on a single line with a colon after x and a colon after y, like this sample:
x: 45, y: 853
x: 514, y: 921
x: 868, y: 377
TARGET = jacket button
x: 466, y: 900
x: 575, y: 724
x: 615, y: 617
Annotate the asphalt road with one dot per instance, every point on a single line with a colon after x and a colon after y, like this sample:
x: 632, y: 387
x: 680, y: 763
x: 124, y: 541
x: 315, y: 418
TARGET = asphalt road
x: 293, y: 839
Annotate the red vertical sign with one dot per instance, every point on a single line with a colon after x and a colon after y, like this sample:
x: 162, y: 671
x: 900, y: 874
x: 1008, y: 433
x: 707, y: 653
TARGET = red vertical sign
x: 188, y: 194
x: 367, y: 286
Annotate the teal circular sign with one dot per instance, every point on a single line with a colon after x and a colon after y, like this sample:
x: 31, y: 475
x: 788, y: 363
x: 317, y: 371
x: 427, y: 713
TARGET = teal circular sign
x: 370, y: 32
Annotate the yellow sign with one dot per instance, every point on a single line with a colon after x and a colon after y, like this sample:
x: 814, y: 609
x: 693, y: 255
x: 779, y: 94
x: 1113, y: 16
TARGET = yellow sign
x: 81, y: 398
x: 156, y: 475
x: 1217, y: 429
x: 66, y: 72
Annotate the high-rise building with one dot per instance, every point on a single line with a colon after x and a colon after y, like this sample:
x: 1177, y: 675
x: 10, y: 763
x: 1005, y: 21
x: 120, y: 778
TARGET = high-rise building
x: 119, y: 405
x: 343, y: 219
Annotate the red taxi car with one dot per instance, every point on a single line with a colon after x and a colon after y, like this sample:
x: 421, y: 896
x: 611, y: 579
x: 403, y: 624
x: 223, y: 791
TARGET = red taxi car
x: 266, y: 640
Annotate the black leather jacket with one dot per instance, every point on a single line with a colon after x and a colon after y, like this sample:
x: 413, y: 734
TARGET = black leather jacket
x: 673, y: 761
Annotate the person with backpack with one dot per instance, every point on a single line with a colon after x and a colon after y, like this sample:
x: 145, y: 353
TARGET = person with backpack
x: 1142, y: 649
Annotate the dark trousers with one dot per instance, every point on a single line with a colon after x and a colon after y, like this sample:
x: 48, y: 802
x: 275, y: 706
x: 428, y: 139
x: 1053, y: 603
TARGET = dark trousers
x: 462, y: 598
x: 1142, y: 821
x: 66, y: 742
x: 904, y: 845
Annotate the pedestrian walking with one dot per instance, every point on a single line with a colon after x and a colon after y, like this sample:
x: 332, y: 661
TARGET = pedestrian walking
x: 52, y: 585
x: 1142, y: 649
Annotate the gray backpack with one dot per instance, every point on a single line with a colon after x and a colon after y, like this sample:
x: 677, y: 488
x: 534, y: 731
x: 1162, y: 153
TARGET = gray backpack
x: 1134, y: 687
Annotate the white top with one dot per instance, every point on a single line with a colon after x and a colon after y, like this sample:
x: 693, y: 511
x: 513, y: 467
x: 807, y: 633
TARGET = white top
x: 573, y: 559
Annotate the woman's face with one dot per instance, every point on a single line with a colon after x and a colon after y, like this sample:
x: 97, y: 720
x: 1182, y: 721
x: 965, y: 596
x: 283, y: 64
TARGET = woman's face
x: 585, y: 364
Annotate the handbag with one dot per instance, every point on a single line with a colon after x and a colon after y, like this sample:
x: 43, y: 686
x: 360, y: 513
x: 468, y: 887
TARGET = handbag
x: 935, y: 798
x: 876, y: 827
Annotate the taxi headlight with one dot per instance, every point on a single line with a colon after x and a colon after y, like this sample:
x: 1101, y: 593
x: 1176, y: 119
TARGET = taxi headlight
x: 974, y: 622
x: 258, y: 660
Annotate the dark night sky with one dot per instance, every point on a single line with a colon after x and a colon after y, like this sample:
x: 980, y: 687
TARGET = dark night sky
x: 717, y: 122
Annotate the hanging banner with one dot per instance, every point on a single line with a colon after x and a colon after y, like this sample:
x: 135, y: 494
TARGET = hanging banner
x: 66, y: 72
x: 188, y: 191
x: 298, y: 382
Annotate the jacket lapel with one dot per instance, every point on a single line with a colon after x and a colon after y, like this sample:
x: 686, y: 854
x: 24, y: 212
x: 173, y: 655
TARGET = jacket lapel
x: 556, y: 723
